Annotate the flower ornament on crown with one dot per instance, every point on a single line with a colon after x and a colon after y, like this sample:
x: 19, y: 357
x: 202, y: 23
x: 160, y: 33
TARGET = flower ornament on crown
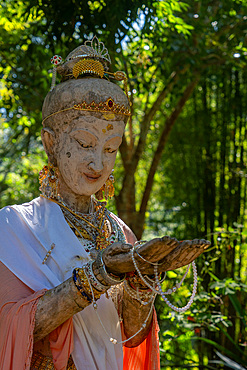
x: 55, y: 60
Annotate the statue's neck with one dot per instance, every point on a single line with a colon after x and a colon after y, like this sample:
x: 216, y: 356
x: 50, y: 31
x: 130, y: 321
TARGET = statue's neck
x: 75, y: 202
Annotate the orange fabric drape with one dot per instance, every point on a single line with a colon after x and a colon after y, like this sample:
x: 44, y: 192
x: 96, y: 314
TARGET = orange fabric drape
x: 17, y: 318
x: 17, y: 315
x: 145, y: 356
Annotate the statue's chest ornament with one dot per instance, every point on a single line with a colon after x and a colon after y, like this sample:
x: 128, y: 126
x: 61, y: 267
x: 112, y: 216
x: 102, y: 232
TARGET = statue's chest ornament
x: 95, y: 231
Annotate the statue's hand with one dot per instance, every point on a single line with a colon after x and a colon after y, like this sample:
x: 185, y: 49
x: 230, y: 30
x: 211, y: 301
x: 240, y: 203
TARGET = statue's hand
x: 117, y: 258
x: 168, y: 252
x: 184, y: 253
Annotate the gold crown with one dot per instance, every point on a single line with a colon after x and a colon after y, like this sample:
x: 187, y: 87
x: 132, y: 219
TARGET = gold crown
x: 108, y: 106
x: 88, y: 66
x: 93, y: 49
x: 91, y: 58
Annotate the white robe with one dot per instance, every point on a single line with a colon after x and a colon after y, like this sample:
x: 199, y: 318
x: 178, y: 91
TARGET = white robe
x: 26, y: 234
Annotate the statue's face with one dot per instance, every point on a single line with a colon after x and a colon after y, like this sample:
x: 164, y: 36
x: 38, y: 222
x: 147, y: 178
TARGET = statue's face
x: 86, y: 152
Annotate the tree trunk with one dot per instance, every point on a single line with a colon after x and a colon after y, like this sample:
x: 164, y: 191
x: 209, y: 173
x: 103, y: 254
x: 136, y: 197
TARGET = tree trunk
x: 125, y: 201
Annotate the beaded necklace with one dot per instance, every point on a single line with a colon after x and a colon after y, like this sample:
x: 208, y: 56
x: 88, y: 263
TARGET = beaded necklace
x: 94, y: 230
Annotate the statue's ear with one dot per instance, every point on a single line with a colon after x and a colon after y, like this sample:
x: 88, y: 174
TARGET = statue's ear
x: 48, y: 140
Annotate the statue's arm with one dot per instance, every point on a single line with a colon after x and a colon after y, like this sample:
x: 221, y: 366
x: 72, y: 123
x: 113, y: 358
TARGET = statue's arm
x: 134, y: 316
x: 171, y: 254
x: 62, y: 302
x: 56, y: 306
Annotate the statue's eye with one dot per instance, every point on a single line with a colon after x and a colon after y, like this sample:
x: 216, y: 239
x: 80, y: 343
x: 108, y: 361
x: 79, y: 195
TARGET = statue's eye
x: 84, y: 145
x: 110, y: 150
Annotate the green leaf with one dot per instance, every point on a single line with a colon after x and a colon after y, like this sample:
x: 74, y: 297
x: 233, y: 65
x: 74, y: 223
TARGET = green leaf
x: 222, y: 349
x: 236, y: 304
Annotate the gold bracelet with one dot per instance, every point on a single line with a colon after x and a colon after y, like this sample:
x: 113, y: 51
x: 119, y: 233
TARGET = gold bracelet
x: 83, y: 279
x: 108, y: 278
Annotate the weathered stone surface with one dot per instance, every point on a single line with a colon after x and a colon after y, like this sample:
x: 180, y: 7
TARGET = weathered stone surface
x: 168, y: 252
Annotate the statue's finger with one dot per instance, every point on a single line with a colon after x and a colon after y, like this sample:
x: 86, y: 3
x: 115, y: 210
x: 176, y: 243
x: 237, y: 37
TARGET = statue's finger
x: 166, y: 239
x: 185, y: 244
x: 117, y: 248
x: 172, y: 241
x: 197, y: 242
x: 201, y: 243
x: 206, y: 245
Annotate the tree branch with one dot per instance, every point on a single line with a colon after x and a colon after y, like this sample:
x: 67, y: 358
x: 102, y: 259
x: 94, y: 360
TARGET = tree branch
x: 162, y: 141
x: 145, y: 124
x: 125, y: 153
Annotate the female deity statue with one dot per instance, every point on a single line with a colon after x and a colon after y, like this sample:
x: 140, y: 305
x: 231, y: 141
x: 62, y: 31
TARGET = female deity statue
x: 77, y: 291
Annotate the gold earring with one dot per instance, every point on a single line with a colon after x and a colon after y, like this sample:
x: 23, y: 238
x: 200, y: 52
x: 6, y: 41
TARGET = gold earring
x: 107, y: 190
x: 49, y: 183
x: 109, y: 187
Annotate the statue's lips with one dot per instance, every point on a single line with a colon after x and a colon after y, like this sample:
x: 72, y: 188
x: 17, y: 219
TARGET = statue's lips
x: 91, y: 177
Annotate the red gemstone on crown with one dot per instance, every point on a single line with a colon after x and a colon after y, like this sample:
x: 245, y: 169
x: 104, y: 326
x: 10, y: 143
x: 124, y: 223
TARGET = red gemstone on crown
x: 110, y: 103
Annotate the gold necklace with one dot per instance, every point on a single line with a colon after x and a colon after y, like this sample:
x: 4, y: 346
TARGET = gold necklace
x: 100, y: 239
x: 76, y: 214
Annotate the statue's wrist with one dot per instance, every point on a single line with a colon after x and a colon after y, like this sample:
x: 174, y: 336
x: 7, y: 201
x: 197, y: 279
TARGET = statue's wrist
x: 108, y: 277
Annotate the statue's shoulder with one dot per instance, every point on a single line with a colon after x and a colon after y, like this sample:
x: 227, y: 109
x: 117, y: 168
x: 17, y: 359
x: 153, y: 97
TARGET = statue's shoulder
x: 129, y: 235
x: 17, y: 211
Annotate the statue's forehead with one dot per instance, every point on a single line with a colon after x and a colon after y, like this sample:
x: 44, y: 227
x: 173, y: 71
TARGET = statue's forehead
x: 89, y: 89
x: 72, y: 117
x: 97, y: 125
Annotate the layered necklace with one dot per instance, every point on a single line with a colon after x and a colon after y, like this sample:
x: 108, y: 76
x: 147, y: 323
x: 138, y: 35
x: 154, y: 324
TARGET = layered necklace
x: 95, y: 230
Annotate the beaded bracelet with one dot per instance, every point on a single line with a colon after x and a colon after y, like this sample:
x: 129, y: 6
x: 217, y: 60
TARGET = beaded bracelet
x: 87, y: 283
x: 94, y: 281
x: 82, y: 283
x: 144, y: 297
x: 80, y: 288
x: 151, y: 278
x: 109, y: 279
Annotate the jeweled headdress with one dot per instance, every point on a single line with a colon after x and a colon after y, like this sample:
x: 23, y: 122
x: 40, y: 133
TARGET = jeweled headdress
x: 89, y: 60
